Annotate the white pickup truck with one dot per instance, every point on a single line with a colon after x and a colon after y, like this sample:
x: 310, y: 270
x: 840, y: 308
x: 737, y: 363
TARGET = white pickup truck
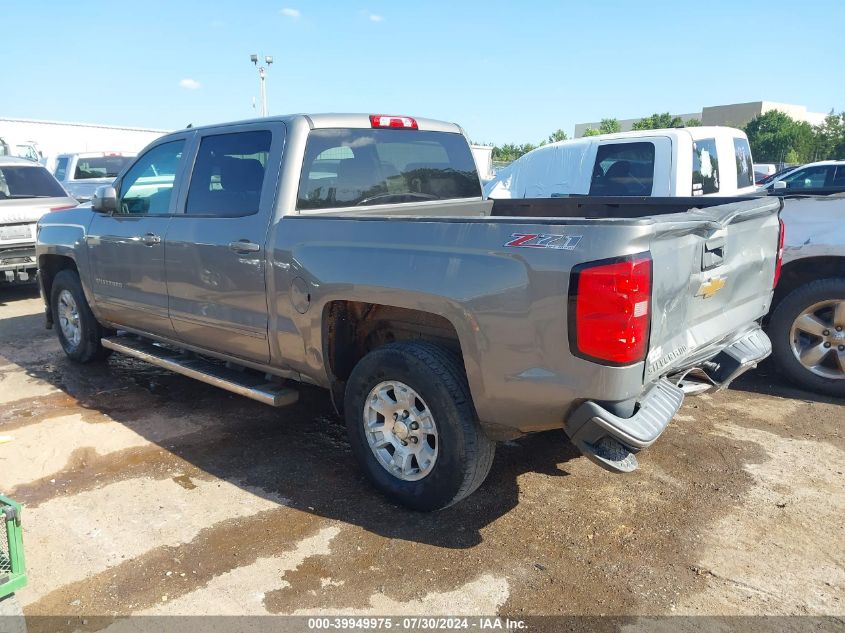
x: 677, y: 162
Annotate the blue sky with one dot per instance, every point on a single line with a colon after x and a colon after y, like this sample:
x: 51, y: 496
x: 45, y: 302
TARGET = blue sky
x: 506, y: 71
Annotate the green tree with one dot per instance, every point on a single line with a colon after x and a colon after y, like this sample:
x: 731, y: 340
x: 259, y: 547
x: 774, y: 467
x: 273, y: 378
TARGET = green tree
x: 658, y: 121
x: 692, y: 123
x: 558, y: 135
x: 609, y: 126
x: 830, y: 137
x: 591, y: 131
x: 775, y: 137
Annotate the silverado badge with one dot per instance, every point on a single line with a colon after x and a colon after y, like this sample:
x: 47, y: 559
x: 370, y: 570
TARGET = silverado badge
x: 710, y: 287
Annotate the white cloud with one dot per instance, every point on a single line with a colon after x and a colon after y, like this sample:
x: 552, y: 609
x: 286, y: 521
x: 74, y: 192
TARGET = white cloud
x: 290, y: 13
x: 376, y: 18
x: 190, y: 84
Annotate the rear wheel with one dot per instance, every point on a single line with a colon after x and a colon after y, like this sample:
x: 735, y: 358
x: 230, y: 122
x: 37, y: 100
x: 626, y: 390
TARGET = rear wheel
x: 78, y: 331
x: 808, y: 336
x: 413, y: 428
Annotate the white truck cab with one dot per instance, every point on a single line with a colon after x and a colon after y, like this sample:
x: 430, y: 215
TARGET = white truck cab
x: 695, y: 161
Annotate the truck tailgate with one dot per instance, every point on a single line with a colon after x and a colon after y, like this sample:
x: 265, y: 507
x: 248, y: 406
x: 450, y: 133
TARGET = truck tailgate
x: 713, y: 271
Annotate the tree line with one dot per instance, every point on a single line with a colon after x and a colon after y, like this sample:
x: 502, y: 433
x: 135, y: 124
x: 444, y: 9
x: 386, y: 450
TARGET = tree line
x: 774, y: 136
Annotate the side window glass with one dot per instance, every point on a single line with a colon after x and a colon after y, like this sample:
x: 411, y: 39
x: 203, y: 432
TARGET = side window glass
x: 744, y: 166
x: 705, y: 167
x: 839, y: 178
x: 810, y: 178
x: 229, y: 174
x: 148, y: 185
x: 623, y: 169
x: 61, y: 169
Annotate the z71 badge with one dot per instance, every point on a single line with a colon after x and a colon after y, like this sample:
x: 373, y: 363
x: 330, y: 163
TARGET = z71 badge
x: 536, y: 240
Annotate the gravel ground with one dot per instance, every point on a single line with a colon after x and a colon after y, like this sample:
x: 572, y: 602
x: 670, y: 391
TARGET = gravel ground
x: 149, y: 493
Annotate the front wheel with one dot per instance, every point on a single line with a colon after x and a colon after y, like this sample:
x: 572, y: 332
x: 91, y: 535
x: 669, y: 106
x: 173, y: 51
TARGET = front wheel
x: 79, y: 332
x: 808, y: 336
x: 413, y: 428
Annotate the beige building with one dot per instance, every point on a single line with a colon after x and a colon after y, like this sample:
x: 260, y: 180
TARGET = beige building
x: 733, y: 115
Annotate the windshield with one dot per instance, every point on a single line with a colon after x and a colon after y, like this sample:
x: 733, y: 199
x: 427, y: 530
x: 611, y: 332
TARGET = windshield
x: 28, y: 182
x: 100, y: 167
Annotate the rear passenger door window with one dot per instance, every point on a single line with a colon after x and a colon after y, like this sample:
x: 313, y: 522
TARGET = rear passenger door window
x: 705, y: 167
x: 228, y: 174
x: 623, y: 169
x: 839, y: 178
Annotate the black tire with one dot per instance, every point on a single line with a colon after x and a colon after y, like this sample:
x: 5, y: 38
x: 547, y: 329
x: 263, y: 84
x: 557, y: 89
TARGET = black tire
x: 465, y: 453
x: 780, y: 326
x: 89, y: 348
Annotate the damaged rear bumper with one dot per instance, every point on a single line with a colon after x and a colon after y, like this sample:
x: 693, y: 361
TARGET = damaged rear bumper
x: 611, y: 441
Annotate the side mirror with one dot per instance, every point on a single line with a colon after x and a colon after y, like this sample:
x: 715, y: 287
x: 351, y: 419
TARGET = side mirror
x: 104, y: 200
x: 780, y: 184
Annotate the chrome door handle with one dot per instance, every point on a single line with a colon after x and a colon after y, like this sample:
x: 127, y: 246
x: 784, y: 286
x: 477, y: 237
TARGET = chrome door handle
x: 151, y: 239
x: 244, y: 246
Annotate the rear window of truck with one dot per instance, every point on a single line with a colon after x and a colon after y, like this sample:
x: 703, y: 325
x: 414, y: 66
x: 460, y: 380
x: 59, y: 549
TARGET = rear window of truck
x: 351, y: 167
x: 100, y: 167
x: 623, y: 169
x: 705, y: 167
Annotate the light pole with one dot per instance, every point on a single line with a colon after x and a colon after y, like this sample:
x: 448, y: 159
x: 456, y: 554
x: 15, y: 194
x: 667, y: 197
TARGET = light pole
x: 262, y: 78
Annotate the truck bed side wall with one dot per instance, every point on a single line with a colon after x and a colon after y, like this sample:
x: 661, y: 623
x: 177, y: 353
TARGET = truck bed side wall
x: 507, y: 305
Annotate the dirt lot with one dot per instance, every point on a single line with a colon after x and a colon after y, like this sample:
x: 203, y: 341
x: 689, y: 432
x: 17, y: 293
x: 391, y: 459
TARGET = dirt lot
x: 146, y: 492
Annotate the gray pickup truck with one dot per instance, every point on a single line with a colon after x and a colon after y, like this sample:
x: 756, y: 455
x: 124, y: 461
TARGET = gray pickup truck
x: 356, y: 253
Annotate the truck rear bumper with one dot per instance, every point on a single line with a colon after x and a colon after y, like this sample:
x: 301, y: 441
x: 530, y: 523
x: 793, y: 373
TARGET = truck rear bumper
x: 611, y: 441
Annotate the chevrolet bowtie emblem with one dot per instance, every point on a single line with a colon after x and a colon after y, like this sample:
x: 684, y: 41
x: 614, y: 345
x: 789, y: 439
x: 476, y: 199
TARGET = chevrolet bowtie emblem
x: 710, y: 287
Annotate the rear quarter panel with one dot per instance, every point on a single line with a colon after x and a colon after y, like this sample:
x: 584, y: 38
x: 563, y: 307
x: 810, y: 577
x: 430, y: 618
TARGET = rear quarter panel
x: 507, y: 305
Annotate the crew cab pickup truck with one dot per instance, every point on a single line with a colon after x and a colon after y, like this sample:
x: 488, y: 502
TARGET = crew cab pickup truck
x: 356, y: 253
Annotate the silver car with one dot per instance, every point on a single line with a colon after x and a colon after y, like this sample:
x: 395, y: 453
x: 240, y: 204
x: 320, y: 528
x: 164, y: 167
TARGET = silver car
x: 27, y: 192
x: 81, y: 174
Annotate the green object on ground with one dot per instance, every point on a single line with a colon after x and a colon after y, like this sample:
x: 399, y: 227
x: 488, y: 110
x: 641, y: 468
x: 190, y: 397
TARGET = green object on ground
x: 12, y: 566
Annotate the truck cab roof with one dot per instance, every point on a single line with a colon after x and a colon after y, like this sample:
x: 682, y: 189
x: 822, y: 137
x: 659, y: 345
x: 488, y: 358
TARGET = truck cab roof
x: 317, y: 121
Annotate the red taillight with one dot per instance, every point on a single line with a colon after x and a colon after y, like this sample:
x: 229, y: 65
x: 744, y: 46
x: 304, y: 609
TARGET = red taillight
x: 610, y: 304
x: 779, y: 261
x: 67, y: 206
x: 388, y: 120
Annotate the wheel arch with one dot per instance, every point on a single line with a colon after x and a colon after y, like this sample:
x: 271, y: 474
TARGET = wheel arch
x: 352, y: 329
x: 49, y: 266
x: 801, y: 271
